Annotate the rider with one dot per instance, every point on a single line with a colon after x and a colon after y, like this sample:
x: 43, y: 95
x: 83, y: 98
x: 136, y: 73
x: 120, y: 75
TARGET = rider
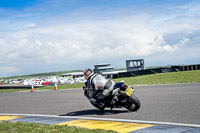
x: 98, y: 82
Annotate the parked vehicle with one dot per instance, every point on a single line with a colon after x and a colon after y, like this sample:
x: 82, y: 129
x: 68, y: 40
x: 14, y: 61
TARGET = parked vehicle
x: 47, y: 83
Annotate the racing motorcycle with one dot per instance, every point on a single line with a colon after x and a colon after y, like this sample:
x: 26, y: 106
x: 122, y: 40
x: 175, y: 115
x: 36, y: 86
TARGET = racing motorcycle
x: 121, y: 96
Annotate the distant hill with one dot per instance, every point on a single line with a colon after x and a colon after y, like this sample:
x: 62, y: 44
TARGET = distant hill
x: 47, y: 74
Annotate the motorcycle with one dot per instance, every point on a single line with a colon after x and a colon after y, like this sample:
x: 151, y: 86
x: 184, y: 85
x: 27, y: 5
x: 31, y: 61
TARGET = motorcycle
x: 121, y: 96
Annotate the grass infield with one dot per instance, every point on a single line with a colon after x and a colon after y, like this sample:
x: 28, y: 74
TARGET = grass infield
x: 21, y: 127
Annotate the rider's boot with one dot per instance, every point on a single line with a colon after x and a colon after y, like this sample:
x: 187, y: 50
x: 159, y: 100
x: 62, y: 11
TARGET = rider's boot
x: 113, y: 102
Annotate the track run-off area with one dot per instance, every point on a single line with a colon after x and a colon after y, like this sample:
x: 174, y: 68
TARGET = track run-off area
x: 164, y: 108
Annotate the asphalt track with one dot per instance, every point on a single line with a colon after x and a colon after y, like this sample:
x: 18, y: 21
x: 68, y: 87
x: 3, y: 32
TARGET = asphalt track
x: 177, y: 103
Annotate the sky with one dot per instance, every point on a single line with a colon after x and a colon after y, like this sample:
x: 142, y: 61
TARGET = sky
x: 39, y: 36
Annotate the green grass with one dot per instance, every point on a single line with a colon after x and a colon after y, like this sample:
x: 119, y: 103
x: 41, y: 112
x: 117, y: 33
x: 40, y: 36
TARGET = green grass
x: 12, y: 90
x: 162, y: 78
x: 21, y: 127
x: 64, y: 86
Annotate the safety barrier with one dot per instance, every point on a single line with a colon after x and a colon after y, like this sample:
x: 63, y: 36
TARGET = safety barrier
x: 32, y: 87
x: 17, y: 87
x: 158, y: 70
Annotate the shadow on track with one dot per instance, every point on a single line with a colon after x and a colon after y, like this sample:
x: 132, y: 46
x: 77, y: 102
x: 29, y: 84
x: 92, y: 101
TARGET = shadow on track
x: 95, y: 112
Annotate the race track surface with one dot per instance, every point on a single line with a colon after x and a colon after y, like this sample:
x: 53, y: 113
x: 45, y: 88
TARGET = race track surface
x: 177, y: 103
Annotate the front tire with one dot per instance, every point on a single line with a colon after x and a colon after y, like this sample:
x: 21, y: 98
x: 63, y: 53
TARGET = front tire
x: 133, y: 103
x: 96, y: 106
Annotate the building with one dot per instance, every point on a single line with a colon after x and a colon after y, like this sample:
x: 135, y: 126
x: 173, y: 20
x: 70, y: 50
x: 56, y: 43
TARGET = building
x: 134, y: 65
x: 113, y: 74
x: 100, y: 68
x: 73, y: 75
x: 108, y: 71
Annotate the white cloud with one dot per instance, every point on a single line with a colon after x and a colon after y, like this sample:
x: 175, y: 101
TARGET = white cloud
x: 30, y: 25
x: 183, y: 41
x: 67, y: 42
x: 38, y: 42
x: 86, y: 40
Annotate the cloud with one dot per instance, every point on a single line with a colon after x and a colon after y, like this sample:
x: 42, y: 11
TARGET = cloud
x: 30, y: 25
x: 66, y: 42
x: 86, y: 40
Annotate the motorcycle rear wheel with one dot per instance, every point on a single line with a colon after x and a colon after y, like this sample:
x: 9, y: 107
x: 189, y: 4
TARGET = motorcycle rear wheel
x: 133, y: 103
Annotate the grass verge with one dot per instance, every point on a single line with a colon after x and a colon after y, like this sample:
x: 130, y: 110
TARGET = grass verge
x: 21, y: 127
x: 12, y: 90
x: 164, y: 78
x: 161, y: 78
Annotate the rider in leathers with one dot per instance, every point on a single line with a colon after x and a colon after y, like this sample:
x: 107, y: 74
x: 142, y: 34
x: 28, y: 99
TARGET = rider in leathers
x: 98, y: 82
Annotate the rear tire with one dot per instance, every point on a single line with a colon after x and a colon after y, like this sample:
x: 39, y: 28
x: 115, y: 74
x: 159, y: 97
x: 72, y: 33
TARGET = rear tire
x: 133, y: 103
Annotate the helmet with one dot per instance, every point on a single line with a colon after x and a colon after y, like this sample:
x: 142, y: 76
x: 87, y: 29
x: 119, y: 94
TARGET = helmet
x: 87, y: 73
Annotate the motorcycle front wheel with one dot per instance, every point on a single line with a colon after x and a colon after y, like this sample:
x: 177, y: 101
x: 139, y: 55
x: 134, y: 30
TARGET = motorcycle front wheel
x: 96, y: 106
x: 133, y: 103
